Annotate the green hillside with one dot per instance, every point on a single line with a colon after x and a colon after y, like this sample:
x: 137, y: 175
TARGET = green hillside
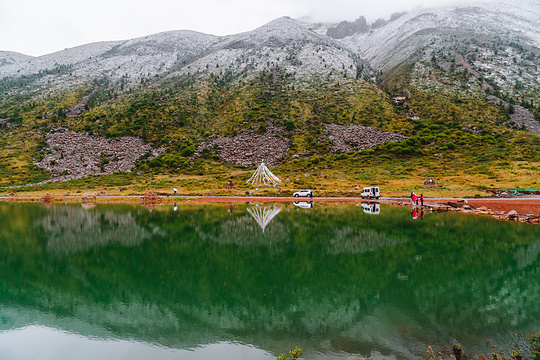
x: 455, y: 136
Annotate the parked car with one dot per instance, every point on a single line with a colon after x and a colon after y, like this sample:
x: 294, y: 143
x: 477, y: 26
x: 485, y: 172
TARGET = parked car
x: 371, y: 192
x: 303, y: 193
x: 303, y: 204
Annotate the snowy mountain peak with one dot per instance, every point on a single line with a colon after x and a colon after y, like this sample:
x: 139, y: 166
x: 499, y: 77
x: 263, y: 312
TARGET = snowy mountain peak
x: 169, y: 41
x: 278, y: 32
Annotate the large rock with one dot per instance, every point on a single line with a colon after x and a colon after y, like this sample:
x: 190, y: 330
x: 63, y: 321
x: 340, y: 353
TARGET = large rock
x: 429, y: 183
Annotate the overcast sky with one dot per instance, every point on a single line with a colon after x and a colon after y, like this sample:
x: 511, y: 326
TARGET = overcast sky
x: 38, y: 27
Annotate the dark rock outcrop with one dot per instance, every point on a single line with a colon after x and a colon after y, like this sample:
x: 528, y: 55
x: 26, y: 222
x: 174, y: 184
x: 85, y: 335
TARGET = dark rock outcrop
x: 379, y: 23
x: 345, y: 28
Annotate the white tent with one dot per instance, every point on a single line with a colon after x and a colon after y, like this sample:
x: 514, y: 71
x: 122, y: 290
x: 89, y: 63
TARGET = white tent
x: 263, y: 175
x: 263, y: 215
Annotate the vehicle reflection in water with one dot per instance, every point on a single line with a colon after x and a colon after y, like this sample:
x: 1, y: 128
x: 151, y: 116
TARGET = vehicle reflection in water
x: 371, y: 208
x: 303, y: 204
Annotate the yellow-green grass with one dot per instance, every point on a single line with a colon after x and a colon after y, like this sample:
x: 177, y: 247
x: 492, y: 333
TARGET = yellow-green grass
x: 325, y: 182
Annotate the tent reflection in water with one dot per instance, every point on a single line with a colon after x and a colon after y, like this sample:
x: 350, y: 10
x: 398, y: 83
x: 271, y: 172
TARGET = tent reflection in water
x: 263, y: 215
x: 263, y: 175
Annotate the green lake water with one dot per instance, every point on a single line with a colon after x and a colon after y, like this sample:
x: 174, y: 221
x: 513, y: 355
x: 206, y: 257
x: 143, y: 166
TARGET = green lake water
x: 252, y: 281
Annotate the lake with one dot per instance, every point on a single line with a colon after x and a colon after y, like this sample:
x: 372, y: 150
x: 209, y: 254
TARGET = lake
x: 251, y: 281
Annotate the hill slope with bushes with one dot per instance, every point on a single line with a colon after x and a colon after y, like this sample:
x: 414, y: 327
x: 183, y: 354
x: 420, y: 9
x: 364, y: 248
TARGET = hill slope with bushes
x: 462, y: 107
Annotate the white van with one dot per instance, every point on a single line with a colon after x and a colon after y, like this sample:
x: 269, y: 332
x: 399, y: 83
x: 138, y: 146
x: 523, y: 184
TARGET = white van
x: 371, y: 192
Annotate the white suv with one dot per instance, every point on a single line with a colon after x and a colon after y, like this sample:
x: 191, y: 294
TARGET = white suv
x: 303, y: 193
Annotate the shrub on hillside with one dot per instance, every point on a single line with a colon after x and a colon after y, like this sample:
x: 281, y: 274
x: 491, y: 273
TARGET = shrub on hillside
x: 188, y: 151
x: 450, y: 145
x: 155, y: 163
x: 290, y: 125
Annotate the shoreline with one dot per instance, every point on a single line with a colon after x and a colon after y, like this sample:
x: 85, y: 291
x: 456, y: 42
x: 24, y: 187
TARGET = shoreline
x: 526, y: 209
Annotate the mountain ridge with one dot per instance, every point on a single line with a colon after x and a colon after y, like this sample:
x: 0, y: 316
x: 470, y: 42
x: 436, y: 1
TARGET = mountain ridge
x: 382, y: 48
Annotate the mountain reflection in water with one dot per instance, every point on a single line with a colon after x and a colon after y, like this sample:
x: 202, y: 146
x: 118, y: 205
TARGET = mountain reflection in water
x: 70, y: 229
x: 331, y: 279
x: 247, y: 231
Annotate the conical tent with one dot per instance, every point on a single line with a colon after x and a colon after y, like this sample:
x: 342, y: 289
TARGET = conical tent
x: 263, y: 175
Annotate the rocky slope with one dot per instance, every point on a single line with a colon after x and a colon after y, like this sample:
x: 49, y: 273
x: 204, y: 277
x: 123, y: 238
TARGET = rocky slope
x: 73, y: 155
x: 346, y: 139
x: 520, y: 116
x: 249, y: 148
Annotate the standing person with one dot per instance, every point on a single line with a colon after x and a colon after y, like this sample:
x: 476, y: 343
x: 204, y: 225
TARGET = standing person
x: 412, y: 198
x: 422, y: 199
x: 416, y: 199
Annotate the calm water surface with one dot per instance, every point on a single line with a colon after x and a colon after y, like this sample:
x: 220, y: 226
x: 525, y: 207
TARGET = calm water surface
x: 252, y: 281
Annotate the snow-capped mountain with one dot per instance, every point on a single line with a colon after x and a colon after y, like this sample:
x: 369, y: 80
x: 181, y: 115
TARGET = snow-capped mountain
x: 282, y: 42
x: 133, y: 59
x: 298, y: 47
x: 397, y: 41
